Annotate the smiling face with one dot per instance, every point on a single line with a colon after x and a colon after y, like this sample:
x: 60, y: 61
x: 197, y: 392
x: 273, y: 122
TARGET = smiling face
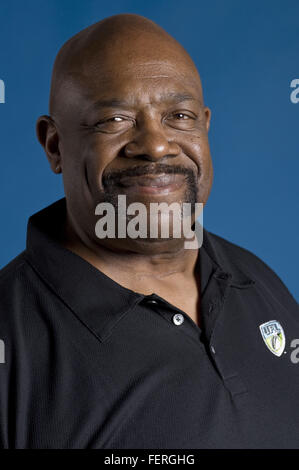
x: 129, y: 120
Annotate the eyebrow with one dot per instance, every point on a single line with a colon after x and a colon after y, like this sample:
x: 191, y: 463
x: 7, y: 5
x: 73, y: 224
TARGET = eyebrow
x: 174, y: 97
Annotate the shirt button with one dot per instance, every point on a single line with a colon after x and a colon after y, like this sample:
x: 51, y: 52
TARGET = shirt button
x: 178, y: 319
x: 223, y: 276
x: 213, y: 350
x: 152, y: 302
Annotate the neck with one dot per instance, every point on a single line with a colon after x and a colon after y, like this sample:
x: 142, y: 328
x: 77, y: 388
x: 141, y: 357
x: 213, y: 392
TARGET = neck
x: 143, y: 262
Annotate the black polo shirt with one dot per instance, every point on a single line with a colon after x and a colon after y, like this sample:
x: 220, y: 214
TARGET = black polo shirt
x: 91, y: 364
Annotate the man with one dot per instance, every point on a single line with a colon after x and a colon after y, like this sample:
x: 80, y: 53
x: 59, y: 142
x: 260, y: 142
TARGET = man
x: 124, y: 342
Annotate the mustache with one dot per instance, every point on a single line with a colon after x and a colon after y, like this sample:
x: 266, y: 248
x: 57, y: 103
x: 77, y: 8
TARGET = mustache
x: 115, y: 176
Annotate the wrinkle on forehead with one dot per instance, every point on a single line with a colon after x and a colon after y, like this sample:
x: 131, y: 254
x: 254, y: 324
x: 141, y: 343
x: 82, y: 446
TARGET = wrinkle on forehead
x: 139, y: 70
x: 121, y: 44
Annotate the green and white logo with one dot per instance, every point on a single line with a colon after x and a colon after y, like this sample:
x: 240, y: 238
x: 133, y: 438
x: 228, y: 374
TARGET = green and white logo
x: 273, y: 336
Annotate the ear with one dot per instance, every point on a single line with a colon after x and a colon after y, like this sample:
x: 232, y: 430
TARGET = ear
x: 208, y: 114
x: 48, y: 137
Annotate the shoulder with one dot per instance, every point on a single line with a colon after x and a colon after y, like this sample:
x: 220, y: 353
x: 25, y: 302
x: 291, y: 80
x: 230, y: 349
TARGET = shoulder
x: 234, y: 255
x: 14, y: 273
x: 16, y: 281
x: 12, y: 268
x: 237, y: 258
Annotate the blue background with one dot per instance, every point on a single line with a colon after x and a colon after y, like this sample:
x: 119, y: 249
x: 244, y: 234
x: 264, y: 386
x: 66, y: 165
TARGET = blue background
x: 247, y: 53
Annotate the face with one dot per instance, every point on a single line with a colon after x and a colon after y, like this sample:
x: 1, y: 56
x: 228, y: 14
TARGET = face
x: 138, y: 129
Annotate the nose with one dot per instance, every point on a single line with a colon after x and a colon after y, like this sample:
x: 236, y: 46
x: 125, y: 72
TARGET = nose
x: 151, y: 143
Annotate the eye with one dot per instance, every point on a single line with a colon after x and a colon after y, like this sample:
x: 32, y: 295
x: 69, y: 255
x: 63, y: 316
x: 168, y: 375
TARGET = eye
x: 114, y: 124
x: 181, y: 120
x: 115, y: 119
x: 181, y: 116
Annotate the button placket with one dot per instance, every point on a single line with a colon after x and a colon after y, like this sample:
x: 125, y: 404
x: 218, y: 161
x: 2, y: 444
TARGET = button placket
x: 231, y: 379
x: 173, y: 315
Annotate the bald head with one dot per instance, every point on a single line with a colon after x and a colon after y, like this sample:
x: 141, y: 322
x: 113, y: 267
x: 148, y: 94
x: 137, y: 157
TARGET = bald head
x: 115, y: 43
x: 126, y: 101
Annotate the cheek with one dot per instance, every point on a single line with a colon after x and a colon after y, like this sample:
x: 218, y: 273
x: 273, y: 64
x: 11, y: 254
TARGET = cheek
x: 79, y: 162
x: 97, y: 154
x: 71, y: 165
x: 196, y: 148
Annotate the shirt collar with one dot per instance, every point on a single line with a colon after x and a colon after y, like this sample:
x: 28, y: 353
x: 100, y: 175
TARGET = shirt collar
x: 97, y: 300
x: 226, y: 260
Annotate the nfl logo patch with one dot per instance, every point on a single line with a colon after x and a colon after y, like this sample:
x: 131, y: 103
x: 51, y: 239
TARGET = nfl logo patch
x: 273, y: 336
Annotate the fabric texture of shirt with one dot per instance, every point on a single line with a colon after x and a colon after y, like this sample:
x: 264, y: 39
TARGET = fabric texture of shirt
x: 92, y: 364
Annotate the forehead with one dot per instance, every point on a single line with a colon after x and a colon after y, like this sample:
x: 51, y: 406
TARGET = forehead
x: 140, y: 83
x: 143, y: 69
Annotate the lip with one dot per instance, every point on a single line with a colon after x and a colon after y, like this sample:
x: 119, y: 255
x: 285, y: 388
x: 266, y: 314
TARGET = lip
x: 152, y: 184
